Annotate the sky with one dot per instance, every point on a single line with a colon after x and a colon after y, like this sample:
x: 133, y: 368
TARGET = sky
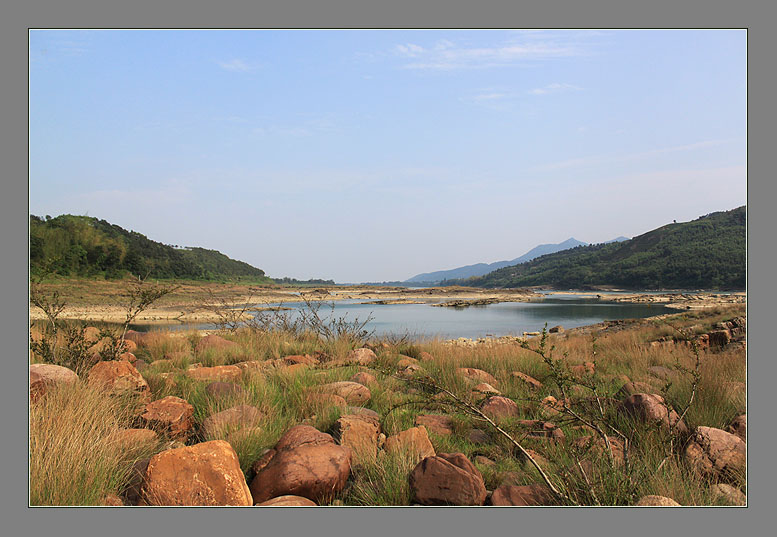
x: 377, y: 155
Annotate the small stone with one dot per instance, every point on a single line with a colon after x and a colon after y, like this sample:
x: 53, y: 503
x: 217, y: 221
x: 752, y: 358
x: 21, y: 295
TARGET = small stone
x: 652, y: 500
x: 728, y: 495
x: 436, y: 423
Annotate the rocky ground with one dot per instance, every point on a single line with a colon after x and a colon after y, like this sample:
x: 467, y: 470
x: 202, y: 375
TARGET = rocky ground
x: 260, y: 419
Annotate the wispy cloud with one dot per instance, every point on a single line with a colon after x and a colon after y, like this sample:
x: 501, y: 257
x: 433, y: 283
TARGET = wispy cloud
x: 236, y: 65
x: 554, y: 88
x: 444, y: 55
x: 611, y: 159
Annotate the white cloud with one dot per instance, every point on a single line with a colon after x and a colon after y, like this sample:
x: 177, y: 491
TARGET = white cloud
x: 446, y: 55
x: 236, y: 65
x: 554, y: 88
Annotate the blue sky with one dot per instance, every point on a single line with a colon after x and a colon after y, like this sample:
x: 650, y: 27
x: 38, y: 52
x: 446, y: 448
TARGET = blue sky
x: 377, y: 155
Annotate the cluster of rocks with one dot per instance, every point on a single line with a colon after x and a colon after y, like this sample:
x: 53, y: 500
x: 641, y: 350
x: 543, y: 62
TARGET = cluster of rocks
x: 724, y: 334
x: 310, y: 467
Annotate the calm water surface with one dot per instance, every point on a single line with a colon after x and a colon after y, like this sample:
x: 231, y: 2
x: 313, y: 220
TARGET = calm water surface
x: 506, y: 318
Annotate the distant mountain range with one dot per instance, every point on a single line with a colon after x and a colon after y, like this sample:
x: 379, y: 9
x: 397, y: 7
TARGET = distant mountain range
x: 481, y: 269
x: 706, y: 253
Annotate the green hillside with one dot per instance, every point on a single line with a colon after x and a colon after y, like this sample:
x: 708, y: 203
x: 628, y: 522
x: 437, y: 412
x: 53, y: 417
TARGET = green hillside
x: 87, y: 247
x: 707, y: 253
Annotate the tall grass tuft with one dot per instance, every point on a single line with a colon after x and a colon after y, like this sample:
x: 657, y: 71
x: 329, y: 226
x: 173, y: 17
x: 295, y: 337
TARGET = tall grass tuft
x: 74, y: 459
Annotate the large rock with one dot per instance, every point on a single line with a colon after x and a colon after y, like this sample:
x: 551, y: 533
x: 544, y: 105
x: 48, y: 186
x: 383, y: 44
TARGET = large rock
x: 535, y: 494
x: 498, y: 407
x: 360, y: 433
x: 739, y: 427
x: 716, y: 453
x: 171, y: 416
x: 353, y: 392
x: 477, y: 375
x: 214, y: 342
x: 363, y: 356
x: 415, y: 442
x: 43, y: 376
x: 240, y: 417
x: 651, y: 407
x: 307, y: 463
x: 447, y: 479
x: 119, y: 377
x: 651, y: 500
x: 436, y: 423
x: 203, y: 474
x: 300, y: 359
x: 287, y: 501
x: 219, y: 372
x: 364, y: 378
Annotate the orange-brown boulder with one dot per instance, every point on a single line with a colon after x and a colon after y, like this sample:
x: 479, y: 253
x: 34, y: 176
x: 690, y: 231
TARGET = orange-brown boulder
x: 405, y: 361
x: 353, y: 392
x: 300, y: 359
x: 360, y: 433
x: 497, y: 407
x: 213, y: 341
x: 43, y: 376
x: 364, y: 378
x: 414, y: 441
x: 436, y: 423
x: 219, y: 372
x: 288, y: 501
x: 128, y: 357
x: 651, y: 407
x: 530, y: 381
x: 717, y: 454
x: 226, y: 421
x: 135, y: 337
x: 425, y: 356
x: 119, y: 377
x: 171, y: 416
x: 307, y: 463
x: 447, y: 479
x: 326, y: 399
x: 528, y: 495
x: 130, y: 346
x: 363, y: 356
x: 484, y: 390
x: 477, y: 375
x: 203, y: 474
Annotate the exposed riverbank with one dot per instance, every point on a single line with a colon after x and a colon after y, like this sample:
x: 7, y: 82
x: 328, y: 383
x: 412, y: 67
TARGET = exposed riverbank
x: 196, y: 302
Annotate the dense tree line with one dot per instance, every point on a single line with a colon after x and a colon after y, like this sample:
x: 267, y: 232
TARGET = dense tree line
x: 84, y: 246
x: 707, y: 253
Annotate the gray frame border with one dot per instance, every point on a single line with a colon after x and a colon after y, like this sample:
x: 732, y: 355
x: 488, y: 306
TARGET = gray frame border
x: 21, y: 520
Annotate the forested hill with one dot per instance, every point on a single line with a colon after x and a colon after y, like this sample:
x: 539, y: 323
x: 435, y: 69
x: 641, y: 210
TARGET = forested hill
x: 706, y: 253
x: 84, y: 246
